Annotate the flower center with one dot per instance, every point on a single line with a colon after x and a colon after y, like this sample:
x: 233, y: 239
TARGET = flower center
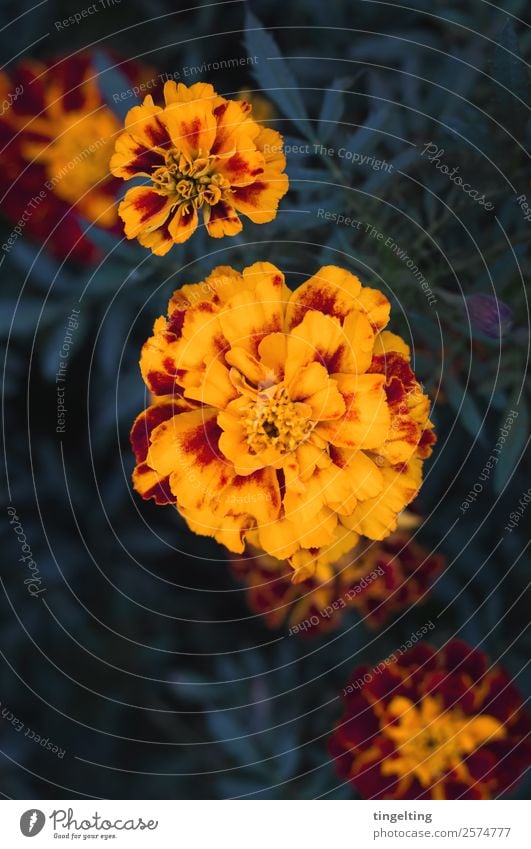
x: 274, y: 421
x: 189, y: 180
x: 431, y: 741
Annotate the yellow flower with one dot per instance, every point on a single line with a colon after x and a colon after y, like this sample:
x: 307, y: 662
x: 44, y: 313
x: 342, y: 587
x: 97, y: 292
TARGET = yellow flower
x: 73, y: 136
x: 198, y: 152
x: 295, y: 416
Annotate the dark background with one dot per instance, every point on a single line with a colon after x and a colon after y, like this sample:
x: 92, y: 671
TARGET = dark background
x: 142, y: 660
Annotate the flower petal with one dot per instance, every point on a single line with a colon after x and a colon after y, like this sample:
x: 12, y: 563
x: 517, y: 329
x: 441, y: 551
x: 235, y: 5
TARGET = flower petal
x: 244, y: 165
x: 332, y: 291
x: 145, y: 125
x: 192, y: 127
x: 132, y: 158
x: 366, y: 477
x: 233, y: 120
x: 377, y: 517
x: 222, y: 220
x: 186, y: 449
x: 313, y: 385
x: 318, y: 338
x: 258, y: 310
x: 366, y: 422
x: 183, y: 223
x: 180, y: 93
x: 143, y: 209
x: 376, y: 306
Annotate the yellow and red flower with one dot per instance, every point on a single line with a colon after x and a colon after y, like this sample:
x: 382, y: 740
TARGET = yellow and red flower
x: 404, y: 572
x: 199, y: 153
x: 56, y: 142
x: 293, y: 414
x: 387, y: 577
x: 432, y: 724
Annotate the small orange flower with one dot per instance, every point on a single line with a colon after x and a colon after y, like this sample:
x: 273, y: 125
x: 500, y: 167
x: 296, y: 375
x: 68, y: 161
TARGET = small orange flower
x: 432, y: 725
x: 293, y: 414
x: 198, y: 152
x: 56, y: 142
x: 404, y: 573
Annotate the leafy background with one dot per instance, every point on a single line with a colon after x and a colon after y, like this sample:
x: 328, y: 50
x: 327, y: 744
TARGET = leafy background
x: 142, y: 660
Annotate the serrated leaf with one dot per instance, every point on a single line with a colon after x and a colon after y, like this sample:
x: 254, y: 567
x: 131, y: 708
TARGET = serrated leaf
x: 463, y: 404
x: 112, y: 81
x: 369, y: 133
x: 332, y: 107
x: 275, y: 76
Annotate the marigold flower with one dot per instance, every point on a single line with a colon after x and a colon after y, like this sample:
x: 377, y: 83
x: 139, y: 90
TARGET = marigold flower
x: 432, y: 725
x: 295, y: 414
x: 404, y: 571
x: 306, y: 605
x: 198, y: 152
x: 378, y: 582
x: 57, y: 139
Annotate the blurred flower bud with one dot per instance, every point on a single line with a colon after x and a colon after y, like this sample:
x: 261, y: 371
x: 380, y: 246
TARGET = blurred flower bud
x: 489, y: 315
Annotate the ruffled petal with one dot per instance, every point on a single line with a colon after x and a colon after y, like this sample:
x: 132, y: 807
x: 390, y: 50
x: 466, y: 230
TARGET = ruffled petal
x: 367, y: 420
x: 142, y: 210
x: 377, y: 517
x: 183, y: 223
x: 332, y: 291
x: 222, y: 220
x: 191, y: 126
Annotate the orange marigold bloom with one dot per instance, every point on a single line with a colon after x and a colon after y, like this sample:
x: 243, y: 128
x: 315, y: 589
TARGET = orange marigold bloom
x: 432, y: 725
x: 56, y: 143
x: 295, y: 414
x: 378, y: 582
x: 404, y: 571
x: 198, y: 152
